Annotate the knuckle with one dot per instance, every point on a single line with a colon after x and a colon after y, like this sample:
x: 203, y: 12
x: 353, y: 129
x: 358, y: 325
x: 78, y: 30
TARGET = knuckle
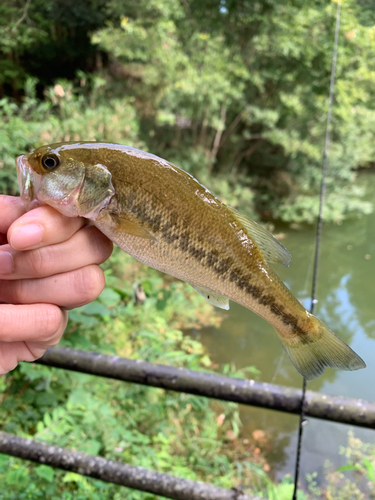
x: 7, y: 362
x: 50, y: 322
x: 41, y: 323
x: 66, y: 226
x: 6, y: 317
x: 100, y: 246
x: 89, y: 283
x: 16, y: 291
x: 38, y: 260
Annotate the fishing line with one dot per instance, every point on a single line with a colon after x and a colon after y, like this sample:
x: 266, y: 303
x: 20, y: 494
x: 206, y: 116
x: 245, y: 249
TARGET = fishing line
x: 276, y: 372
x: 310, y: 269
x: 318, y: 233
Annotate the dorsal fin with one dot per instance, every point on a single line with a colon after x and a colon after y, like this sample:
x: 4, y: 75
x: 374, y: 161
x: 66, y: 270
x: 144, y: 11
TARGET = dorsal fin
x: 272, y: 250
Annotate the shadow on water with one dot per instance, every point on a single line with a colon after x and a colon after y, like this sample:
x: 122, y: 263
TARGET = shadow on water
x: 345, y: 292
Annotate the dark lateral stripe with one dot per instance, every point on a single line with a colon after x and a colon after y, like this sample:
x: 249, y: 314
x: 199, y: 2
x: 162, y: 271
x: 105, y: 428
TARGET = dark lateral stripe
x: 287, y: 399
x: 180, y: 239
x: 224, y: 267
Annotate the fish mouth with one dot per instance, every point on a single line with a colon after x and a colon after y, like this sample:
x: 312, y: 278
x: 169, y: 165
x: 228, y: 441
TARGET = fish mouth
x: 27, y: 182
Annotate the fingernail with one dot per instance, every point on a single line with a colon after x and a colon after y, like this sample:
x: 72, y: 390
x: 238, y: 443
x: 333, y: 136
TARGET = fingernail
x: 26, y: 236
x: 6, y: 263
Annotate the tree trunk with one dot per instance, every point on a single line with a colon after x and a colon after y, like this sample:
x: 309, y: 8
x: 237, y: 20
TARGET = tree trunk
x: 219, y: 133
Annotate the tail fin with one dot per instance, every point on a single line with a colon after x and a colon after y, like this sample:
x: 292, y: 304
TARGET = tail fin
x: 319, y: 348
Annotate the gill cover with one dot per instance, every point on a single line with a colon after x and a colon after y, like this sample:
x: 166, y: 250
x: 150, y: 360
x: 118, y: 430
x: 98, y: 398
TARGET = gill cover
x: 77, y: 190
x: 96, y: 191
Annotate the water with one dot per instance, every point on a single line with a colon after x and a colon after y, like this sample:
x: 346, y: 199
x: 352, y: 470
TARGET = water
x: 346, y: 303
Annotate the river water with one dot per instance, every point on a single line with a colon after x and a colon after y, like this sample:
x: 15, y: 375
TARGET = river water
x: 346, y: 303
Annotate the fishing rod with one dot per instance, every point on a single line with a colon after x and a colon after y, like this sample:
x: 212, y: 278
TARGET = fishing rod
x: 314, y: 301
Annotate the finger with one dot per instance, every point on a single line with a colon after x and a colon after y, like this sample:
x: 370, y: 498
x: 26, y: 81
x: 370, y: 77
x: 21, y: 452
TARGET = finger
x: 11, y: 208
x: 68, y: 290
x: 87, y: 246
x: 41, y: 227
x: 11, y: 353
x: 27, y: 331
x: 30, y: 322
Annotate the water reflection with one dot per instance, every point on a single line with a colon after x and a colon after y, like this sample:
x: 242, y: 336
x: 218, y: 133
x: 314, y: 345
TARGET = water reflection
x: 346, y: 303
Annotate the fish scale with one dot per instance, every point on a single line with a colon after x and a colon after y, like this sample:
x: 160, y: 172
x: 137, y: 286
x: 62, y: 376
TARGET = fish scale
x: 209, y: 265
x: 166, y: 219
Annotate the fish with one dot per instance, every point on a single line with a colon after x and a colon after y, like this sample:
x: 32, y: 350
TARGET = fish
x: 165, y: 218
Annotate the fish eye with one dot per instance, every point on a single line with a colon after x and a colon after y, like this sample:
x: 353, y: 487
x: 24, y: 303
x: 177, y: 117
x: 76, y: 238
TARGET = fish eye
x: 50, y: 162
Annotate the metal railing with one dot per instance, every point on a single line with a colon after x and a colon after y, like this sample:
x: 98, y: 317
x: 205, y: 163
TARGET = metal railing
x: 115, y: 472
x: 249, y: 392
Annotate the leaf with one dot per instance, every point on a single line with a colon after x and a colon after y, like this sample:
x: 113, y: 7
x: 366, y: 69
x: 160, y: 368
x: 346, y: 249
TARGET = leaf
x: 370, y: 469
x: 45, y: 472
x: 47, y: 419
x: 39, y: 427
x: 77, y: 317
x: 349, y: 467
x: 109, y: 297
x: 72, y: 477
x: 92, y: 446
x: 95, y: 309
x: 46, y: 399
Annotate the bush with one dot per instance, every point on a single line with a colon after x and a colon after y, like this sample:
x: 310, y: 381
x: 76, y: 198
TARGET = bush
x: 170, y: 432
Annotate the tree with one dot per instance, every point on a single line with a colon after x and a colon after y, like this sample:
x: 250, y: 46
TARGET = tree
x: 237, y: 88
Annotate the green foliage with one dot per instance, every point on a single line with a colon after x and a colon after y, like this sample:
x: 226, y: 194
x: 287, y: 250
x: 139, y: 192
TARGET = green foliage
x: 235, y: 93
x: 221, y: 88
x: 353, y: 481
x: 281, y: 491
x: 65, y: 114
x: 171, y: 432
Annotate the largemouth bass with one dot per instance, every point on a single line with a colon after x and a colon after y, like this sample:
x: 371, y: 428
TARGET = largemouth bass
x: 166, y: 219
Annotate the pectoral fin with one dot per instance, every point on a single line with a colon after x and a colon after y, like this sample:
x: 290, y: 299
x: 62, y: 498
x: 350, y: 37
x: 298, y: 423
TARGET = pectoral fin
x: 272, y: 250
x: 215, y: 298
x: 131, y: 227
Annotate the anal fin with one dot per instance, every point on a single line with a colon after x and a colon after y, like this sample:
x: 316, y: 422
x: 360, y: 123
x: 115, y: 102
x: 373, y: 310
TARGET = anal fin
x: 215, y: 298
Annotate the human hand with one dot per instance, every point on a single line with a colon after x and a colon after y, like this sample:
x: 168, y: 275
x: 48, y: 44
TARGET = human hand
x: 48, y: 264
